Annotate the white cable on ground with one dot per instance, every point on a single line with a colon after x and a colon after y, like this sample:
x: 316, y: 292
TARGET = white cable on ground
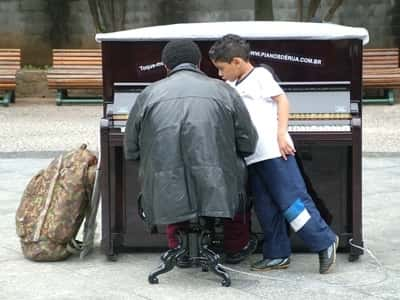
x: 257, y: 275
x: 380, y: 266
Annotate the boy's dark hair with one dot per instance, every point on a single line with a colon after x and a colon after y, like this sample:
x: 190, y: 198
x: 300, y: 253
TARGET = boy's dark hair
x: 228, y: 47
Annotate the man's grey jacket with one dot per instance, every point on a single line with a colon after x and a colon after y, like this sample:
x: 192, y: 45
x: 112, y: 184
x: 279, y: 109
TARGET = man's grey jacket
x: 189, y: 132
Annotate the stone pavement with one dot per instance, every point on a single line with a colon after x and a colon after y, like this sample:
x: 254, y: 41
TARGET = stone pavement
x: 33, y: 132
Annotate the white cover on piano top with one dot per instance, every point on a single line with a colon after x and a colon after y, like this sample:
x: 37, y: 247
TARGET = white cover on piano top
x: 246, y: 29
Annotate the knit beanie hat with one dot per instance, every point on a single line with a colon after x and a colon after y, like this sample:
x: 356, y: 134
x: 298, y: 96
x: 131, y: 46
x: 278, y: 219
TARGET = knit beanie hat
x: 180, y: 51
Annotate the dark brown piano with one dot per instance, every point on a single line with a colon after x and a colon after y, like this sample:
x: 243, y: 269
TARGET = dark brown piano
x: 318, y: 65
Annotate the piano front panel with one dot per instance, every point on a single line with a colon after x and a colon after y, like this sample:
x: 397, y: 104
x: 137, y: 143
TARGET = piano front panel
x: 324, y: 164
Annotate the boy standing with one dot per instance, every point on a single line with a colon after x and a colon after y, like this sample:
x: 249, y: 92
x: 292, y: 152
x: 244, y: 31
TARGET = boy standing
x: 274, y: 177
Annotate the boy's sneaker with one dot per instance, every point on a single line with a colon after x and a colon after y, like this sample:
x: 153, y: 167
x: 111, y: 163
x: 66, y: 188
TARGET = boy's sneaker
x: 268, y: 264
x: 327, y: 257
x: 245, y: 252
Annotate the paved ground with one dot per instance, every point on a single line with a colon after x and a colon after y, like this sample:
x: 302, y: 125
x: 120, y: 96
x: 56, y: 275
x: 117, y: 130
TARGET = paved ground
x: 31, y: 134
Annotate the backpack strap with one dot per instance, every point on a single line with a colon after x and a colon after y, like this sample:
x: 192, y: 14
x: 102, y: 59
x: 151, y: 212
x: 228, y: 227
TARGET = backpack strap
x: 43, y: 213
x: 91, y: 212
x: 74, y: 246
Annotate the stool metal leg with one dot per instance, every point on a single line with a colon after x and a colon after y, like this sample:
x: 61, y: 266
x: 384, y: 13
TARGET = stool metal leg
x: 212, y: 259
x: 169, y: 259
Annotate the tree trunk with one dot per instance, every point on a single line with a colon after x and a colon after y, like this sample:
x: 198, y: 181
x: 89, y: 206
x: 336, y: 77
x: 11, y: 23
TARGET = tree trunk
x: 263, y: 10
x: 299, y: 11
x: 108, y: 15
x: 312, y: 9
x: 59, y: 12
x: 332, y: 10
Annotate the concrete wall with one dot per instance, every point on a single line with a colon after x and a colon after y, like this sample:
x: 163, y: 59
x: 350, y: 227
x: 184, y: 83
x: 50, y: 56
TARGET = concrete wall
x: 37, y: 26
x: 380, y: 17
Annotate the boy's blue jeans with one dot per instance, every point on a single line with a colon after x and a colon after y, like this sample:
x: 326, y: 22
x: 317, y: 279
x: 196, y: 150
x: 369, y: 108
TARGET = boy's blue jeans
x: 280, y: 196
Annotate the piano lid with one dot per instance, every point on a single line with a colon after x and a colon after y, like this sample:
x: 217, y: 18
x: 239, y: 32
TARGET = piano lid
x: 247, y: 29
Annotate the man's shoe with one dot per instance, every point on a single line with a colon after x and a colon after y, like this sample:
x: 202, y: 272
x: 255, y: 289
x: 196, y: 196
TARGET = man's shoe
x: 327, y: 257
x: 245, y: 252
x: 268, y: 264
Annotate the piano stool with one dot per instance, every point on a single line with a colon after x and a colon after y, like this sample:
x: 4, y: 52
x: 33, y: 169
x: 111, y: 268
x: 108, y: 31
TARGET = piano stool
x: 76, y: 69
x: 194, y: 242
x: 381, y: 70
x: 10, y: 63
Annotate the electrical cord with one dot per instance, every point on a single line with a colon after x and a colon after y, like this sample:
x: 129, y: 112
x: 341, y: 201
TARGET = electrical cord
x: 382, y: 268
x: 257, y: 275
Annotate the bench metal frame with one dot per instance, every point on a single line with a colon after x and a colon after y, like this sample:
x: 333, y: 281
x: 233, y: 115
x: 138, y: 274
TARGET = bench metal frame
x: 7, y: 98
x: 63, y: 98
x: 388, y: 98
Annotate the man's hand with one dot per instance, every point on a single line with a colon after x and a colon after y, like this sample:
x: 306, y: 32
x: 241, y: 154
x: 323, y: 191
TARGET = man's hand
x: 284, y: 147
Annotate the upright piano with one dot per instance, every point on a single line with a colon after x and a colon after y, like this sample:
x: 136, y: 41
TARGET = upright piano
x: 319, y: 66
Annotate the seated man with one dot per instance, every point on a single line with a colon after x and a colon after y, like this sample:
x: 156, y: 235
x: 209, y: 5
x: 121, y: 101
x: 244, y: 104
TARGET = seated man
x: 190, y: 133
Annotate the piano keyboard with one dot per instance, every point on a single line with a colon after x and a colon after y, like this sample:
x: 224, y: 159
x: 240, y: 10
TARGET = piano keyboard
x: 319, y: 122
x: 319, y: 128
x: 320, y: 116
x: 297, y: 122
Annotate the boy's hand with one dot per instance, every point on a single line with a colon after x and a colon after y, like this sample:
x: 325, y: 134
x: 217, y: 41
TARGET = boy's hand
x: 284, y: 147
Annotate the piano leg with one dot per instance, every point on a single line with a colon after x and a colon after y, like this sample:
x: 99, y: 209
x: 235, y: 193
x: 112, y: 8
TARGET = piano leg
x: 355, y: 252
x: 115, y: 241
x: 356, y: 243
x: 107, y: 242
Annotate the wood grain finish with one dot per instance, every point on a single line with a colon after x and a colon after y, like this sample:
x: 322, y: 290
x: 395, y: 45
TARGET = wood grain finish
x: 76, y: 69
x: 10, y: 61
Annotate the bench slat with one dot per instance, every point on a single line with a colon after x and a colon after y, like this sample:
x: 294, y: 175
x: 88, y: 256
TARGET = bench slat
x: 72, y: 58
x: 7, y: 86
x: 75, y: 69
x: 63, y: 63
x: 59, y: 50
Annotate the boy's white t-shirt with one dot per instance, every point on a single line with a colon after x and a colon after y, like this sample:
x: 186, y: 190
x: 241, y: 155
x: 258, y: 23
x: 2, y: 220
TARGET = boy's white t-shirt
x: 256, y: 90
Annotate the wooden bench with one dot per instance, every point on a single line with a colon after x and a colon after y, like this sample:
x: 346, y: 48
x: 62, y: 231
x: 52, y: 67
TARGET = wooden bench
x: 381, y: 70
x: 10, y: 63
x: 75, y: 69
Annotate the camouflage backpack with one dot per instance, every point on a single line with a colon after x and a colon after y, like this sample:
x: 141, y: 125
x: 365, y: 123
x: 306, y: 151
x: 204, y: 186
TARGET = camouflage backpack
x: 54, y: 205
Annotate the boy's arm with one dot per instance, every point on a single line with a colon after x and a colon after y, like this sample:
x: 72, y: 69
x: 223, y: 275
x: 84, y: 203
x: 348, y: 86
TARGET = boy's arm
x: 283, y: 117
